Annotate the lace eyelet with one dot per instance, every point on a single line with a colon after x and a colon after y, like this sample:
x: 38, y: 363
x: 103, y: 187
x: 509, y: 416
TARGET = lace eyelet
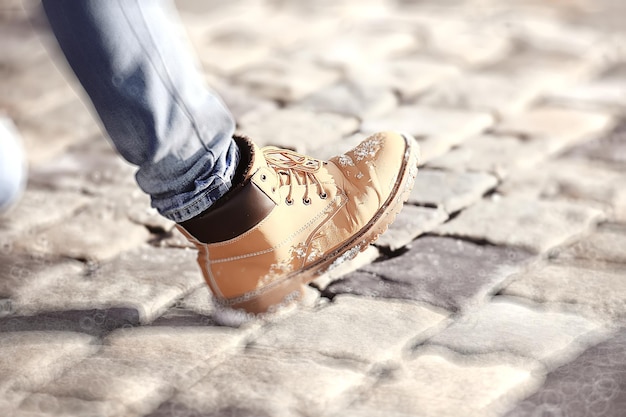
x: 323, y: 196
x: 288, y: 201
x: 306, y: 201
x: 263, y: 177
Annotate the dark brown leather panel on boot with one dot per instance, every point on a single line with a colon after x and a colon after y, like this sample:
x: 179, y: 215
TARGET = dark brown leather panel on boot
x: 239, y: 210
x: 245, y: 207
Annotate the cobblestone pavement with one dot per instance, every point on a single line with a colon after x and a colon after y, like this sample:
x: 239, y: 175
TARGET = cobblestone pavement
x: 499, y: 291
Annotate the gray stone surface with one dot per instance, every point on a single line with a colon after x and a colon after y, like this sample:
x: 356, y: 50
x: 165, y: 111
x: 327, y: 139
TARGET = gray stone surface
x: 299, y: 129
x: 483, y: 92
x: 597, y: 290
x: 440, y: 383
x: 451, y: 191
x: 347, y: 327
x: 83, y: 238
x: 531, y: 224
x: 576, y: 180
x: 408, y: 76
x: 140, y: 368
x: 138, y: 284
x: 448, y: 273
x: 261, y: 384
x: 30, y: 359
x: 353, y: 99
x: 610, y: 148
x: 594, y: 384
x: 285, y: 80
x: 436, y: 129
x: 503, y: 325
x: 559, y: 127
x: 496, y: 154
x: 606, y: 244
x: 411, y: 222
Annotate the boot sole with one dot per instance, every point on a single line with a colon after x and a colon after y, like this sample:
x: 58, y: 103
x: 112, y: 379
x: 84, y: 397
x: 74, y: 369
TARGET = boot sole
x: 290, y: 289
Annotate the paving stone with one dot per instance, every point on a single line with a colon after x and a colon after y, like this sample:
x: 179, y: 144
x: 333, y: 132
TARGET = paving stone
x: 139, y: 281
x: 611, y: 147
x: 606, y: 244
x: 239, y: 101
x: 592, y: 385
x: 347, y: 327
x: 448, y: 273
x: 554, y: 70
x: 534, y: 225
x: 49, y: 405
x: 353, y: 99
x: 599, y: 94
x: 451, y: 191
x: 506, y: 326
x: 285, y: 80
x: 593, y: 289
x: 574, y: 180
x: 227, y: 50
x: 436, y: 129
x: 34, y: 90
x: 297, y: 128
x: 559, y: 127
x: 411, y: 222
x: 140, y: 368
x: 338, y: 147
x: 39, y: 208
x: 497, y: 154
x: 483, y: 92
x: 47, y: 134
x: 358, y: 45
x: 92, y: 167
x: 109, y: 234
x: 444, y: 384
x: 30, y: 359
x: 262, y: 384
x: 468, y: 44
x: 361, y: 259
x: 408, y: 76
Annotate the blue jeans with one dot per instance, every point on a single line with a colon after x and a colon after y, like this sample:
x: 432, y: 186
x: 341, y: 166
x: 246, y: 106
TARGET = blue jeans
x: 146, y: 87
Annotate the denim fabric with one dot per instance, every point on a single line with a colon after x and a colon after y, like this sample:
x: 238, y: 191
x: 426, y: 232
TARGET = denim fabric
x: 12, y: 165
x: 145, y: 85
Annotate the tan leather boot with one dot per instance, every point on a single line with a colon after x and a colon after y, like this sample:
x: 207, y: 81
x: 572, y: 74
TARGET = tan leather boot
x: 293, y: 216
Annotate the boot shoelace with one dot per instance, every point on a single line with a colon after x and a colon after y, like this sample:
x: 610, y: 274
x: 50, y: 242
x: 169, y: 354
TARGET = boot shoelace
x: 292, y: 166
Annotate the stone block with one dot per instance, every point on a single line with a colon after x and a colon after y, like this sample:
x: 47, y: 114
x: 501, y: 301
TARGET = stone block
x: 411, y: 222
x: 576, y: 180
x: 437, y: 130
x: 285, y: 80
x: 606, y: 244
x: 594, y: 289
x: 108, y: 235
x: 483, y: 92
x: 352, y: 99
x: 496, y: 154
x: 269, y: 384
x: 144, y: 281
x: 31, y: 359
x: 450, y: 191
x: 346, y: 328
x: 448, y: 273
x: 408, y: 76
x: 534, y: 225
x: 503, y: 325
x: 443, y: 384
x: 559, y: 127
x: 593, y: 384
x: 611, y: 147
x: 297, y: 129
x: 139, y: 368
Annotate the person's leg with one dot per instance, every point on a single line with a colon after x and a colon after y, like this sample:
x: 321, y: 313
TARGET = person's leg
x: 12, y: 165
x: 145, y: 86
